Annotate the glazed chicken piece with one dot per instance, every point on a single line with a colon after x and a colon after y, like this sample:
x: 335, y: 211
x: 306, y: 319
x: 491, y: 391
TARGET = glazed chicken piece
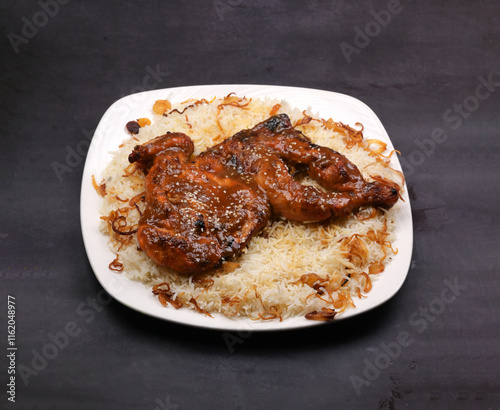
x: 198, y: 213
x: 269, y: 152
x: 201, y: 212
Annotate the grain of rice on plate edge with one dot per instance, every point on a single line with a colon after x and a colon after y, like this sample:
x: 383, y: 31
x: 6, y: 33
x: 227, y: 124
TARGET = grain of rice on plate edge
x: 315, y: 270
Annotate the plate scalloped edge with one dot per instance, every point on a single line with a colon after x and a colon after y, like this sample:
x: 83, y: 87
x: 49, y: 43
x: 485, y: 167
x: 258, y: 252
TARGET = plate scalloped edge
x: 111, y: 132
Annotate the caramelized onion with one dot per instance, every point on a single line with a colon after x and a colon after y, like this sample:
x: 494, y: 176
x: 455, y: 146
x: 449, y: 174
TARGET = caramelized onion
x: 275, y: 109
x: 235, y: 101
x: 165, y: 297
x: 368, y: 284
x: 198, y: 308
x: 196, y: 103
x: 373, y: 214
x: 376, y: 267
x: 138, y: 209
x: 355, y: 249
x: 116, y: 265
x: 137, y: 198
x: 344, y: 300
x: 381, y: 146
x: 122, y: 223
x: 272, y: 311
x: 100, y: 189
x: 230, y: 100
x: 391, y: 153
x: 119, y: 199
x: 325, y: 315
x: 314, y: 281
x: 230, y: 301
x: 130, y: 169
x: 332, y: 125
x: 305, y: 120
x: 206, y: 281
x: 354, y: 137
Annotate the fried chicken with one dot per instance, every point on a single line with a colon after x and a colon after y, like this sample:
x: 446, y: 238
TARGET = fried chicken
x: 203, y: 211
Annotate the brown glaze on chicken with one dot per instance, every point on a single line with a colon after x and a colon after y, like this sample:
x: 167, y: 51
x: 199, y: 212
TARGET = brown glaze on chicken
x: 201, y: 212
x: 268, y: 153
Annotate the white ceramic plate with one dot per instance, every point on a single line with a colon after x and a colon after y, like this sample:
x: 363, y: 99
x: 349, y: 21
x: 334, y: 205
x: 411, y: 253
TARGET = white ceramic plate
x: 111, y: 132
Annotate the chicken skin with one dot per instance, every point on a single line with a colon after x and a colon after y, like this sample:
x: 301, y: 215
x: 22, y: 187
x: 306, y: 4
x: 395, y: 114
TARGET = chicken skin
x: 202, y: 211
x: 268, y: 152
x: 198, y: 213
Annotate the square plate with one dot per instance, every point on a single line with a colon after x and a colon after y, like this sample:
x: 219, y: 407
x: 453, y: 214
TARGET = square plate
x: 111, y: 132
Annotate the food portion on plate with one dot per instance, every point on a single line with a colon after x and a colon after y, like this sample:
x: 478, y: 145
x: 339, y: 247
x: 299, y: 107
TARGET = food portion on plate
x: 250, y: 208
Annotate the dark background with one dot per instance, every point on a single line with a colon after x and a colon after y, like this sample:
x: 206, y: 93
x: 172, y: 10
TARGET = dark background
x: 419, y: 74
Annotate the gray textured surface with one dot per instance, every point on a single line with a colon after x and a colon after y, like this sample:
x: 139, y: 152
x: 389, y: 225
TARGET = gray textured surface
x: 426, y: 61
